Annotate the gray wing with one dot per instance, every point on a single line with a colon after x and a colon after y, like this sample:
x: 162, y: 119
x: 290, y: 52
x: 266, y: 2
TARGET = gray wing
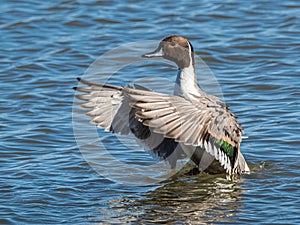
x: 204, y: 123
x: 111, y: 110
x: 108, y: 106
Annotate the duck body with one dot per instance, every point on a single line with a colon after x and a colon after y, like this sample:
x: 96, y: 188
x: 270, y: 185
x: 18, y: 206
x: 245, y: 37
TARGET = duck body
x: 190, y: 123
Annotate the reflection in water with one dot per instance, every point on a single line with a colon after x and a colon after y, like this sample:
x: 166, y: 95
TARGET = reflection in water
x: 197, y: 199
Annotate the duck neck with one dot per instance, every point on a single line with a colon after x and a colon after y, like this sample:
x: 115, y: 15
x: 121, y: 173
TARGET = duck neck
x: 186, y: 82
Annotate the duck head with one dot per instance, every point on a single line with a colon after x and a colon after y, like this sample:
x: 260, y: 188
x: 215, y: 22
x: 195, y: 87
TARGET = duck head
x: 174, y: 48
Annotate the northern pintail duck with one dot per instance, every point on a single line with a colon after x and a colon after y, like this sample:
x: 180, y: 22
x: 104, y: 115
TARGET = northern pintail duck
x: 190, y: 123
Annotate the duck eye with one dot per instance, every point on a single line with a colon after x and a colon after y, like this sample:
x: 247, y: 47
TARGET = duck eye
x: 172, y: 44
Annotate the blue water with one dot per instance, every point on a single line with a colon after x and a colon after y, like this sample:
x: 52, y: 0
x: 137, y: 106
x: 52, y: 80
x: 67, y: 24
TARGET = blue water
x: 252, y: 48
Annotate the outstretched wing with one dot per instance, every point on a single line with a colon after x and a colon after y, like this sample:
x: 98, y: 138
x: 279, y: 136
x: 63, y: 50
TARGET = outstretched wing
x: 160, y: 122
x: 111, y: 110
x: 203, y: 123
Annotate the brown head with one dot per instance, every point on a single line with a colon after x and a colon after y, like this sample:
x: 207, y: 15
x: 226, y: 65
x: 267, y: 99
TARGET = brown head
x: 175, y: 48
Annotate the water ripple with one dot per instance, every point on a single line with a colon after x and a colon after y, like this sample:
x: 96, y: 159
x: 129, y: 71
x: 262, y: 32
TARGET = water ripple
x: 253, y: 50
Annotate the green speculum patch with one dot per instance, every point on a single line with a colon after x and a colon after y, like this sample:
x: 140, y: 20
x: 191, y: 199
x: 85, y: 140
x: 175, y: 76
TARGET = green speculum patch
x: 226, y: 147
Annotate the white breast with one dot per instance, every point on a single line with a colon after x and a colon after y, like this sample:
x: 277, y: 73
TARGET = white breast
x: 186, y: 84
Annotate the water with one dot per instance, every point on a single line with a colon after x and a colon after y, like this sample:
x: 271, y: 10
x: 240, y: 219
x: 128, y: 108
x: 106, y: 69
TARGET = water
x: 252, y: 49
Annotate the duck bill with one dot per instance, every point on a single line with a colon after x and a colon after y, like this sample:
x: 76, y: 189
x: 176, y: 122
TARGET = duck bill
x: 157, y: 53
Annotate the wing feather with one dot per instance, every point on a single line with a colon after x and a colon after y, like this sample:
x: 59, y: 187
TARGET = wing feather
x: 190, y: 123
x: 202, y: 122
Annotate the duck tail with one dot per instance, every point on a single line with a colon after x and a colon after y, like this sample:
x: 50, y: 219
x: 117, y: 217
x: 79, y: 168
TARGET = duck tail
x: 241, y: 165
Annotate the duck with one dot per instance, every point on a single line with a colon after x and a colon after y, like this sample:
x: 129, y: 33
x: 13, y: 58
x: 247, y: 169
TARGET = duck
x: 188, y: 124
